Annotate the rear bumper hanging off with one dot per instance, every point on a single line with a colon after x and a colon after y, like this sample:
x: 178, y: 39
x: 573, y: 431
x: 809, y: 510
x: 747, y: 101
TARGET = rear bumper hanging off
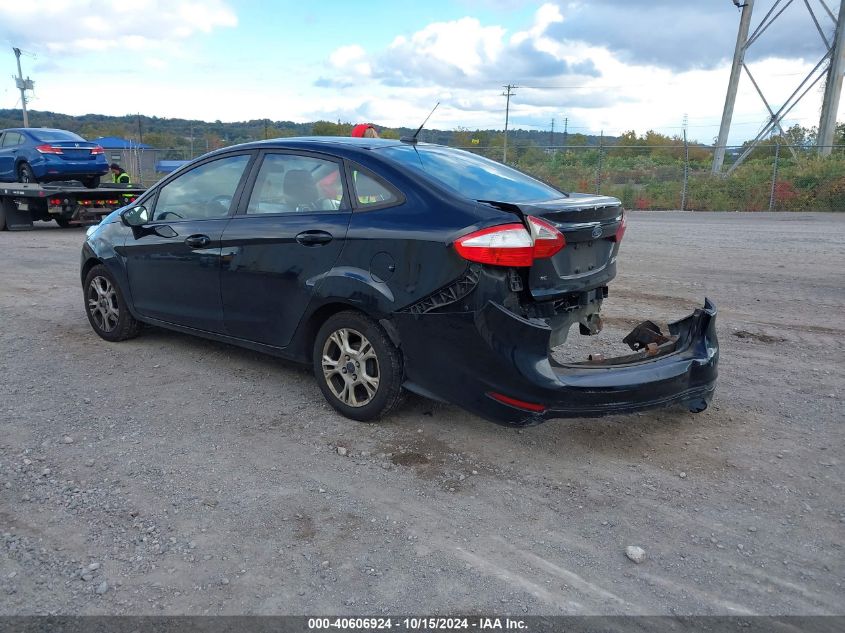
x: 496, y: 364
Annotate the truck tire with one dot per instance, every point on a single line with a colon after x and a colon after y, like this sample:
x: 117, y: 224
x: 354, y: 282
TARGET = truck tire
x: 25, y: 173
x: 3, y: 215
x: 62, y: 222
x: 106, y: 308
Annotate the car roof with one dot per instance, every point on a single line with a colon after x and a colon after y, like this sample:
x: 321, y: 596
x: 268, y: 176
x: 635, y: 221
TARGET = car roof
x: 324, y: 141
x: 344, y: 145
x: 36, y: 129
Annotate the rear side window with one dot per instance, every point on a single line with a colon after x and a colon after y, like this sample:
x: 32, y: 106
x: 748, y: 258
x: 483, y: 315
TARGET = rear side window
x: 370, y: 192
x: 204, y: 193
x: 287, y: 183
x: 12, y: 138
x: 48, y: 136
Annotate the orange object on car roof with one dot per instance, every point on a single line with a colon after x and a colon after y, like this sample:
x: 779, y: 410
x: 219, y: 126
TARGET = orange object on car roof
x: 360, y: 130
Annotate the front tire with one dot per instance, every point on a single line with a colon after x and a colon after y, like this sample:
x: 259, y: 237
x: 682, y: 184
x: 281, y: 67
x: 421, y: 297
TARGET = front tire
x: 358, y: 368
x: 25, y: 173
x: 106, y: 308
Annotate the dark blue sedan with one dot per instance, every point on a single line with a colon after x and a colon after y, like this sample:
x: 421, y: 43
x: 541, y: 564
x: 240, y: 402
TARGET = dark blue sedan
x: 390, y: 266
x: 47, y: 155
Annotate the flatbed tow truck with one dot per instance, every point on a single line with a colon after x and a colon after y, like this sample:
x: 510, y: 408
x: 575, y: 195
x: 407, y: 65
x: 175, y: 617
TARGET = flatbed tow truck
x: 68, y: 203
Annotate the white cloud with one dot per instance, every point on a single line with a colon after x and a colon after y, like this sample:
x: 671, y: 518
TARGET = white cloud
x: 463, y: 44
x: 563, y: 71
x: 351, y: 58
x: 463, y: 54
x: 78, y: 26
x: 597, y: 63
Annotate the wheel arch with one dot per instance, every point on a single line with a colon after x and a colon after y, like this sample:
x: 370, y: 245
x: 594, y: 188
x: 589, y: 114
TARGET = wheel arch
x: 311, y: 324
x: 87, y: 266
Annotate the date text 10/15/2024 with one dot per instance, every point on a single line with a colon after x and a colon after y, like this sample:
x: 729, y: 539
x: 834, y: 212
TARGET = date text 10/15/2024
x: 417, y: 624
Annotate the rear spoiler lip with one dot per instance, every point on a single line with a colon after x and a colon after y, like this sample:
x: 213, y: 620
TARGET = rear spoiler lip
x: 551, y: 211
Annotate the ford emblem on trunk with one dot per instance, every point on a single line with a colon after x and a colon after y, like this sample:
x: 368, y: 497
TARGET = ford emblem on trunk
x: 597, y: 231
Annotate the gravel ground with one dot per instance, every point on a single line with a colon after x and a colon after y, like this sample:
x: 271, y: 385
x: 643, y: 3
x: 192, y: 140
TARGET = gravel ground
x: 171, y: 475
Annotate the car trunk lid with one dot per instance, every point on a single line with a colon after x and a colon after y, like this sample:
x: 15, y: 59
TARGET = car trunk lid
x: 589, y: 223
x: 74, y: 150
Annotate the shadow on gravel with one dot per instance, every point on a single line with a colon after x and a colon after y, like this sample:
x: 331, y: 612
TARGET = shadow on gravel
x: 176, y: 341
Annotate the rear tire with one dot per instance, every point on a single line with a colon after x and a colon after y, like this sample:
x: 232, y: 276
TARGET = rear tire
x: 3, y: 204
x: 63, y: 222
x: 25, y: 173
x: 105, y: 307
x: 91, y: 183
x: 358, y: 368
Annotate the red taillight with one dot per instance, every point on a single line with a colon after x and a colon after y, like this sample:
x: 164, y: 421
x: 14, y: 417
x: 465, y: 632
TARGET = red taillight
x: 55, y: 202
x: 49, y: 149
x: 97, y: 150
x: 547, y: 239
x: 504, y: 245
x: 511, y: 244
x: 620, y: 230
x: 519, y: 404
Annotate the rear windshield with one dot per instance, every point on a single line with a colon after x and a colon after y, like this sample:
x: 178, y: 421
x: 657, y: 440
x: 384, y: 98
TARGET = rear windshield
x: 55, y: 135
x: 473, y: 176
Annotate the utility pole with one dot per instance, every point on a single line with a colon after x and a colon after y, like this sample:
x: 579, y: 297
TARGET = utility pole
x: 509, y: 91
x: 140, y: 130
x: 686, y: 169
x: 23, y: 86
x: 552, y: 135
x: 833, y: 86
x: 733, y: 83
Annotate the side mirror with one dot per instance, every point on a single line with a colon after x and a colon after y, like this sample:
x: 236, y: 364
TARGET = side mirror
x: 135, y: 216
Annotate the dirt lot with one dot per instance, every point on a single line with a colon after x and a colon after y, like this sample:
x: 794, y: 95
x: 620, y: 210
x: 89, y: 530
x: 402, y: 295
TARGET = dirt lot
x: 170, y: 475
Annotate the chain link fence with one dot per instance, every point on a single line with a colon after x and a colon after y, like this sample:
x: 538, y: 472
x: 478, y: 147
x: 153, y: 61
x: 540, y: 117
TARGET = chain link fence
x: 774, y: 177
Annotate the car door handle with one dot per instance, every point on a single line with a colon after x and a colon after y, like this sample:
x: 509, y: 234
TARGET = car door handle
x: 198, y: 241
x: 314, y: 238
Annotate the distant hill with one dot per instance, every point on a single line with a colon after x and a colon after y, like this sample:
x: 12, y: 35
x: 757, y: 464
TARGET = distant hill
x: 196, y: 137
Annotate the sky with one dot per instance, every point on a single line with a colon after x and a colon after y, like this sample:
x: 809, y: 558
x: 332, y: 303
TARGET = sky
x: 598, y: 65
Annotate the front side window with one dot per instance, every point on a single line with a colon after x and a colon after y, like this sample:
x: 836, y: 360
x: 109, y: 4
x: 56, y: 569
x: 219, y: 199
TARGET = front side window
x: 473, y: 176
x: 287, y: 183
x: 204, y: 193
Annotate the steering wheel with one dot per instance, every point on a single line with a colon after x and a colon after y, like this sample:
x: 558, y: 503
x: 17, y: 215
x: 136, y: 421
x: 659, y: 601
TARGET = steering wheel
x: 164, y: 215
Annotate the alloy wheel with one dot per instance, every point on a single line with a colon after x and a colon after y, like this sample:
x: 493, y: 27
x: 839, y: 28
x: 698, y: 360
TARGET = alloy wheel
x: 350, y: 367
x: 102, y: 303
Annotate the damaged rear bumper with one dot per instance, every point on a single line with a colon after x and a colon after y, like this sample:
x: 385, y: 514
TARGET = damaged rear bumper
x: 496, y: 364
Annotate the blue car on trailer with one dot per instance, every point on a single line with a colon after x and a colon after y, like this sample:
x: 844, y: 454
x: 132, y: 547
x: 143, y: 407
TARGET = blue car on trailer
x: 30, y: 155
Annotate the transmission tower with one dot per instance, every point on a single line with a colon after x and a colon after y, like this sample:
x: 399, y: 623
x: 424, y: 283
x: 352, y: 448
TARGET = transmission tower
x: 834, y: 51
